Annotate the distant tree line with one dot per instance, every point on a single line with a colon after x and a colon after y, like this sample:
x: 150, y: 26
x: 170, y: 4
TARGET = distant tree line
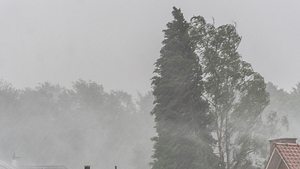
x: 50, y: 125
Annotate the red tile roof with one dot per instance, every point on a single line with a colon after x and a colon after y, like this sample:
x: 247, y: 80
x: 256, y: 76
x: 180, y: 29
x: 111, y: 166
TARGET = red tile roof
x: 290, y: 152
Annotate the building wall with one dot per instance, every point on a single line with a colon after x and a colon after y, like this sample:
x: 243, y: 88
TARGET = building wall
x: 282, y: 165
x: 275, y: 161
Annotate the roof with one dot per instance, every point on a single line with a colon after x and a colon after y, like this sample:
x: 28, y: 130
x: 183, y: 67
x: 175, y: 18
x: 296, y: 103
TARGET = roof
x: 290, y: 152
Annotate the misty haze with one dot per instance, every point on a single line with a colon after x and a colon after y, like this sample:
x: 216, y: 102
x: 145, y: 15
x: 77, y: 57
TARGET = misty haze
x: 200, y: 84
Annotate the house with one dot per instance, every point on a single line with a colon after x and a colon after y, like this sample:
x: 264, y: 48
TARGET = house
x: 284, y: 154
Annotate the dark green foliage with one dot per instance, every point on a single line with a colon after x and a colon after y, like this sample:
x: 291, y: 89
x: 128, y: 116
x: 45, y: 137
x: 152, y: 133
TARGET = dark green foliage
x: 181, y: 115
x: 237, y: 94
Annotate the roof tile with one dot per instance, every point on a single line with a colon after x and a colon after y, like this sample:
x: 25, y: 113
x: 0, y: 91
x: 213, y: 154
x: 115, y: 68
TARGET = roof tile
x: 290, y: 153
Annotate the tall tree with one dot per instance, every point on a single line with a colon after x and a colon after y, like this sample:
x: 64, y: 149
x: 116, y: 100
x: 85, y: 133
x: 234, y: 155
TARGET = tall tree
x: 237, y: 94
x: 181, y: 115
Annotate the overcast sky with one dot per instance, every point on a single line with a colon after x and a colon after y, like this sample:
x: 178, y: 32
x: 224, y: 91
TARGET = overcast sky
x: 116, y: 42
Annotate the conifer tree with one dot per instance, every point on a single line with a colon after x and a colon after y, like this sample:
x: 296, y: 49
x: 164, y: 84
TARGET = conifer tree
x: 181, y: 114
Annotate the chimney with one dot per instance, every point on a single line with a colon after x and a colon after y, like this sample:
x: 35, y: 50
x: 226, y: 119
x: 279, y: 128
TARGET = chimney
x: 281, y: 140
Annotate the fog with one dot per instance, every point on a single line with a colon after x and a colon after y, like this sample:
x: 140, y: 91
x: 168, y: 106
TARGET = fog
x: 116, y: 42
x: 85, y: 125
x: 49, y: 116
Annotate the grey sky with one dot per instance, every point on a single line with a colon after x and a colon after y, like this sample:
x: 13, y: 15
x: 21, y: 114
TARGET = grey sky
x: 115, y: 42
